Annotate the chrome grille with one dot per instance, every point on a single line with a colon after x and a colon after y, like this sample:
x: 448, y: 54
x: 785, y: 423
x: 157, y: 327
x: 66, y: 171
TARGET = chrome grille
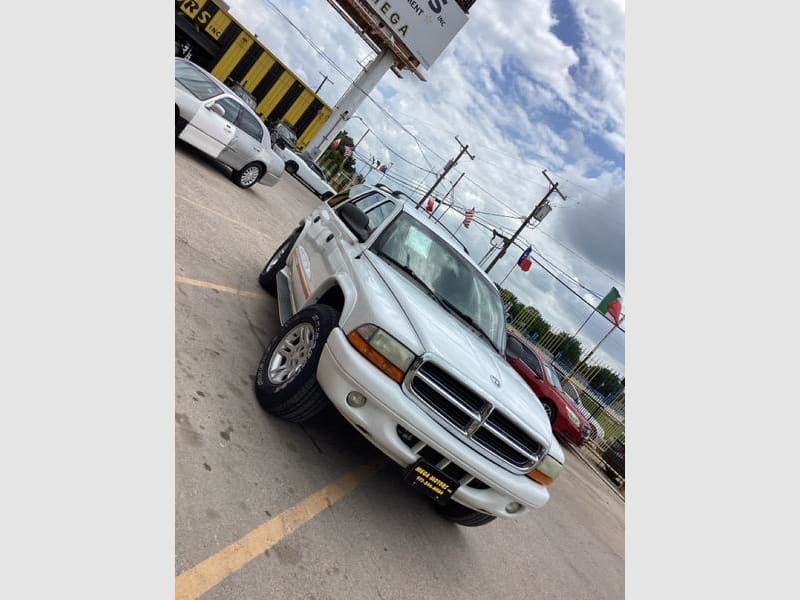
x: 462, y: 410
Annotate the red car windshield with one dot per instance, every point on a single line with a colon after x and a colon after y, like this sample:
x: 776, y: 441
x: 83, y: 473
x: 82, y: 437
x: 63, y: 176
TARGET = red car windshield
x: 552, y: 377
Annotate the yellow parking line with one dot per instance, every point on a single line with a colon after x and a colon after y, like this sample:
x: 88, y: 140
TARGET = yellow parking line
x: 196, y: 581
x: 219, y: 288
x: 220, y: 215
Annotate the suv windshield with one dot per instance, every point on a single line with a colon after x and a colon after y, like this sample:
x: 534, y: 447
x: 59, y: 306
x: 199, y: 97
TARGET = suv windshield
x: 195, y: 81
x: 447, y: 273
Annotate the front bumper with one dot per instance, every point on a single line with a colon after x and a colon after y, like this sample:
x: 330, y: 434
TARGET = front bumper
x: 342, y: 369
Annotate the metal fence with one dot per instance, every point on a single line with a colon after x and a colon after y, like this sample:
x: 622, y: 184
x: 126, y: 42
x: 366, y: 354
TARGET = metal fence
x: 582, y: 381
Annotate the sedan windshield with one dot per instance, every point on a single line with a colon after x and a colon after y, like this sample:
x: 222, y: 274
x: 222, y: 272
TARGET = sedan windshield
x: 455, y: 282
x: 553, y: 377
x: 195, y: 81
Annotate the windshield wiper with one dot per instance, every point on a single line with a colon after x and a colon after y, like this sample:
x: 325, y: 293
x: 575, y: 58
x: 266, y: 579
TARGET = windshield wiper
x: 410, y: 272
x: 469, y: 320
x: 444, y: 302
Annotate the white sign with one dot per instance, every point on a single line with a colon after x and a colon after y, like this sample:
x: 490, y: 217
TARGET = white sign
x: 426, y: 27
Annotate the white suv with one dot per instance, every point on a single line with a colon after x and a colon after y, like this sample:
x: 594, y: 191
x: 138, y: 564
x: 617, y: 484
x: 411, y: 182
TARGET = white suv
x: 385, y: 315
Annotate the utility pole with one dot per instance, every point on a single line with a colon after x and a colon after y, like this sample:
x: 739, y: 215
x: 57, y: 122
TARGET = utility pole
x: 450, y: 191
x: 450, y: 164
x: 323, y: 82
x: 537, y: 208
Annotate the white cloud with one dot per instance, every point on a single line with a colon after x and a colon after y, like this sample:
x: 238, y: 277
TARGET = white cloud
x: 498, y: 86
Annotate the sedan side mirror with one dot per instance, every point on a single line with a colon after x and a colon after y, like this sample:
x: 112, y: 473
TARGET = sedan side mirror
x: 356, y: 220
x: 216, y: 108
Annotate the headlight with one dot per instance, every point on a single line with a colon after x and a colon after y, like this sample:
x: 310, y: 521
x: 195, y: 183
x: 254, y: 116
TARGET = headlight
x: 382, y: 350
x: 573, y: 418
x: 546, y: 471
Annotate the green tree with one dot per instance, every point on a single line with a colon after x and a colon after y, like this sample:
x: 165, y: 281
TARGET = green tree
x: 333, y: 157
x: 569, y: 349
x: 605, y: 381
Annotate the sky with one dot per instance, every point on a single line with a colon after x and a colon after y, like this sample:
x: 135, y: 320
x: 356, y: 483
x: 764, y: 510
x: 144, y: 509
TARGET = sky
x: 537, y: 86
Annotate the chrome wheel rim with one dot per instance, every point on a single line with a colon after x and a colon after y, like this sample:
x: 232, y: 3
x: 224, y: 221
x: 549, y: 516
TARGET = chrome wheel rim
x: 548, y: 410
x: 291, y: 354
x: 249, y: 175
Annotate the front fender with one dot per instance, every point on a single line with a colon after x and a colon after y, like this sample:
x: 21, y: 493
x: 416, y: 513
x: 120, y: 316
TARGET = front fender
x: 344, y: 282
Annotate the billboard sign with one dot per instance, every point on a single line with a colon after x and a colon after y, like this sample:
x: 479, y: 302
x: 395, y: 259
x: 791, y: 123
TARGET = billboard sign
x: 425, y: 27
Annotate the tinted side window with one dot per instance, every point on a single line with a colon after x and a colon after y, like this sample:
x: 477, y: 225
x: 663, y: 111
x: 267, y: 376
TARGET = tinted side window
x: 338, y: 198
x: 514, y: 348
x: 529, y: 358
x: 250, y: 125
x: 231, y: 107
x: 369, y: 201
x: 378, y: 214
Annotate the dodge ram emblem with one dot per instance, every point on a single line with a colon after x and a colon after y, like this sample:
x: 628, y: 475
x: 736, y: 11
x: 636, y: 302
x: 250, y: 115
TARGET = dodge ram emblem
x: 495, y: 380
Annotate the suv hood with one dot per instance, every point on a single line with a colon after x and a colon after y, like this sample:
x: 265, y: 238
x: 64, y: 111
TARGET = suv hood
x: 447, y: 337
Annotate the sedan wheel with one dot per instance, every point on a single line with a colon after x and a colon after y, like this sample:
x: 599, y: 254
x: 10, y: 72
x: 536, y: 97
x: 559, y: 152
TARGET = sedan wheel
x: 550, y: 410
x: 248, y: 175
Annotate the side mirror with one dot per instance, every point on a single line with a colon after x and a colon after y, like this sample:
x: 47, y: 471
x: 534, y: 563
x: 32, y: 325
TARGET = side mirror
x: 356, y: 220
x: 280, y: 143
x: 216, y: 108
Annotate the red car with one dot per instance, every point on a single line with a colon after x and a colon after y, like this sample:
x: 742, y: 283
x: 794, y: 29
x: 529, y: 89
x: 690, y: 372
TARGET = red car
x: 565, y: 418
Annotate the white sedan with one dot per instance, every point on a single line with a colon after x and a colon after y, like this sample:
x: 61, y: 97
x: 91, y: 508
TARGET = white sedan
x: 212, y: 118
x: 302, y: 166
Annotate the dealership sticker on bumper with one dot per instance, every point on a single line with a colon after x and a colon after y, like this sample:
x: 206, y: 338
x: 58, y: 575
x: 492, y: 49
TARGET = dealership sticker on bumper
x: 431, y: 481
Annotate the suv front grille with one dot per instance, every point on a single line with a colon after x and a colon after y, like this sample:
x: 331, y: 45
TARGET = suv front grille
x: 467, y: 412
x: 434, y: 457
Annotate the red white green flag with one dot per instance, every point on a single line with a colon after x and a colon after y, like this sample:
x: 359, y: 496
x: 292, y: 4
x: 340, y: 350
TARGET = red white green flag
x: 611, y: 305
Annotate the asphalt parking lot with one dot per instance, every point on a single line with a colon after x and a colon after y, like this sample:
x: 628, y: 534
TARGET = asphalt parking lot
x: 269, y: 509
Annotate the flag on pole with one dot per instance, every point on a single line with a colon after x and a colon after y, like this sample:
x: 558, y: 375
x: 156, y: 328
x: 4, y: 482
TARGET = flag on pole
x: 469, y: 215
x: 382, y: 168
x: 348, y: 151
x: 525, y: 260
x: 429, y: 205
x: 611, y: 305
x: 335, y: 143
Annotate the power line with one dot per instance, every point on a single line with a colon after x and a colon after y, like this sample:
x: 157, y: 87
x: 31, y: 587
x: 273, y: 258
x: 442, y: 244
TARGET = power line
x: 508, y: 155
x: 582, y: 258
x: 347, y: 77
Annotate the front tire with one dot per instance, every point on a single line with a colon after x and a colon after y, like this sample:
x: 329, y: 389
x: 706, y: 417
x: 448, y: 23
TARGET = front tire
x: 248, y: 175
x: 461, y: 515
x: 550, y: 409
x: 286, y: 379
x: 267, y: 278
x: 291, y: 168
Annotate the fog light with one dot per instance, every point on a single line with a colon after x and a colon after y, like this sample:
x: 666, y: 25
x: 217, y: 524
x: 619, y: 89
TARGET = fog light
x: 513, y: 507
x: 356, y: 399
